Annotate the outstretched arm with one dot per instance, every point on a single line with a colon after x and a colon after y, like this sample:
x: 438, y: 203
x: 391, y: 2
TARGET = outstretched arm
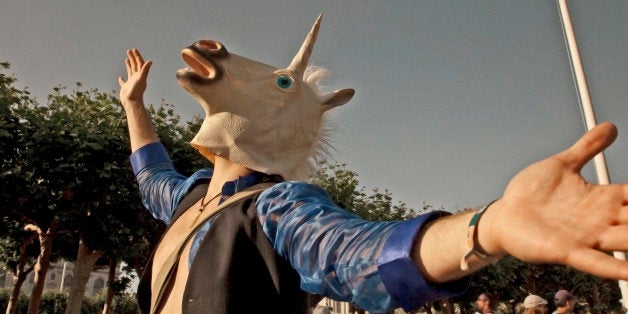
x: 141, y: 129
x: 548, y: 214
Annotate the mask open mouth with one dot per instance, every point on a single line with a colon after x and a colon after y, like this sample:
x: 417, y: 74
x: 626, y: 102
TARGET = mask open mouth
x: 199, y: 66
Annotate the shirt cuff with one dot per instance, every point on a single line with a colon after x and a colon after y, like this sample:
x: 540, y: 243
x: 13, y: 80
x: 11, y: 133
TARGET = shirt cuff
x: 401, y: 277
x: 147, y: 155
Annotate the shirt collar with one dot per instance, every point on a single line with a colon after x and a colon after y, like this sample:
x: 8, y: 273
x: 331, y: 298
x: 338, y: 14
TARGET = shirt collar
x: 241, y: 183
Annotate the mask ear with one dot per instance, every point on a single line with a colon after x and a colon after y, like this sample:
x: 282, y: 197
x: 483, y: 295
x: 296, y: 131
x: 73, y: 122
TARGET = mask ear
x: 337, y: 98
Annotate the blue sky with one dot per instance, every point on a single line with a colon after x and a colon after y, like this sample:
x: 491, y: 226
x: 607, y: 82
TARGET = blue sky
x: 452, y: 97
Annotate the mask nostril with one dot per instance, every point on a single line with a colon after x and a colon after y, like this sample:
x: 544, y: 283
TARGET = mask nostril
x: 210, y: 44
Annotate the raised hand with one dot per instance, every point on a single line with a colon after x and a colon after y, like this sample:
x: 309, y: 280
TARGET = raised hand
x: 550, y: 214
x: 137, y: 73
x: 141, y: 130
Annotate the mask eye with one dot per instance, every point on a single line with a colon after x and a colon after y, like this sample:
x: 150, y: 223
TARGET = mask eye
x: 284, y: 81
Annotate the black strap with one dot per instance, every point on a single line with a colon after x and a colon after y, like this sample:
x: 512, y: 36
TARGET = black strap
x: 190, y: 199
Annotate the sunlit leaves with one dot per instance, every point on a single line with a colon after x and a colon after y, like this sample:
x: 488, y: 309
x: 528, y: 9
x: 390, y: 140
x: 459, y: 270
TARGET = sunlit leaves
x: 343, y: 187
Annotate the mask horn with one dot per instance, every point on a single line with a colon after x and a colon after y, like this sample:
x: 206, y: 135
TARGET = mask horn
x: 299, y: 62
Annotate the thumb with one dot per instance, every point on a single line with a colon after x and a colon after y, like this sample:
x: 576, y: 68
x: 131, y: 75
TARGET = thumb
x: 590, y: 144
x: 121, y: 80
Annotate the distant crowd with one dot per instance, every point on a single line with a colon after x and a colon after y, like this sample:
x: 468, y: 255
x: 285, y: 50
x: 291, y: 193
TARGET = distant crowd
x: 564, y: 303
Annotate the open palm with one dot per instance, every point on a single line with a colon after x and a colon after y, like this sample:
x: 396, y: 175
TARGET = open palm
x: 550, y: 214
x: 137, y: 73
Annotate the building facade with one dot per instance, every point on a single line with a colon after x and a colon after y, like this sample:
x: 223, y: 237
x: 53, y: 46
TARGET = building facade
x: 59, y: 277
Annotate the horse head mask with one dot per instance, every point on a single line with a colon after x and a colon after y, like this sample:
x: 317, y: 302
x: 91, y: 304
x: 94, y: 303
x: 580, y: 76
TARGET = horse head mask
x: 265, y: 118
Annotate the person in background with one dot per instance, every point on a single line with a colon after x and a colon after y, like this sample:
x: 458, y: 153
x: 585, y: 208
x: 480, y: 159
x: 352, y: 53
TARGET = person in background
x: 534, y: 304
x: 564, y: 301
x: 484, y: 303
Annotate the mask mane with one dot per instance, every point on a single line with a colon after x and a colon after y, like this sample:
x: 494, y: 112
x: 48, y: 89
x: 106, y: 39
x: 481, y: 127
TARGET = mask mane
x: 322, y: 147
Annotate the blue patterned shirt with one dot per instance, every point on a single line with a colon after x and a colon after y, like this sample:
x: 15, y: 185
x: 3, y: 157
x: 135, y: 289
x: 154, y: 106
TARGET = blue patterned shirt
x: 337, y: 254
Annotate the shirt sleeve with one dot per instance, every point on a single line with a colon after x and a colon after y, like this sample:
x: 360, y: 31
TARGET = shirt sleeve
x: 338, y: 254
x: 160, y: 185
x: 400, y: 275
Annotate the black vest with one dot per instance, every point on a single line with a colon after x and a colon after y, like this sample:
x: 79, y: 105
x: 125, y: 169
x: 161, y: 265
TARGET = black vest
x: 234, y: 268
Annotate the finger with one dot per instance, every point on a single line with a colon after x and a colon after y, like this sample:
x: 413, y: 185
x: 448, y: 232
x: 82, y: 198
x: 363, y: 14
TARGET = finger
x: 130, y: 62
x: 598, y: 263
x: 139, y: 61
x: 129, y: 70
x: 145, y: 69
x: 138, y: 57
x: 590, y: 144
x: 135, y: 66
x: 615, y: 238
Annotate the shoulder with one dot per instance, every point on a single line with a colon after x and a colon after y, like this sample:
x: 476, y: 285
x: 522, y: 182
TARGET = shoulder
x: 295, y: 190
x: 290, y: 195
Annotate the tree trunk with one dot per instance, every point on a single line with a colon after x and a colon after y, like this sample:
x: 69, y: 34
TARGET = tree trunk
x: 42, y: 265
x: 110, y: 291
x: 85, y: 261
x: 595, y: 293
x: 18, y: 280
x: 19, y: 274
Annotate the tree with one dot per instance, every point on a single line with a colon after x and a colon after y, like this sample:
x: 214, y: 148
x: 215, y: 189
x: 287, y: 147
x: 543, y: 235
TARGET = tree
x: 16, y: 249
x: 343, y: 187
x: 104, y: 205
x: 16, y: 254
x: 70, y: 176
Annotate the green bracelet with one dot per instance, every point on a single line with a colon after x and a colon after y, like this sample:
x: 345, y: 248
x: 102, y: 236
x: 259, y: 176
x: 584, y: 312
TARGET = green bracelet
x: 471, y: 238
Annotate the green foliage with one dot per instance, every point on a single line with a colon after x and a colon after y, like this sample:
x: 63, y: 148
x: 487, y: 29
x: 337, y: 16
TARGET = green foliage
x: 72, y: 158
x: 176, y: 138
x: 122, y: 304
x: 65, y: 164
x: 125, y: 304
x: 91, y: 306
x: 10, y: 247
x: 13, y: 186
x: 343, y: 187
x: 10, y: 96
x: 22, y: 303
x: 120, y: 284
x: 54, y: 302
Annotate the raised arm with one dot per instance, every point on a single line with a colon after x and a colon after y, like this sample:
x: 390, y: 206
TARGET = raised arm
x: 548, y: 214
x: 141, y: 129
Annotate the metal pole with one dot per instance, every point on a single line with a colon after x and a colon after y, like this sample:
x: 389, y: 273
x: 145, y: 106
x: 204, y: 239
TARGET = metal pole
x: 587, y: 113
x: 65, y: 264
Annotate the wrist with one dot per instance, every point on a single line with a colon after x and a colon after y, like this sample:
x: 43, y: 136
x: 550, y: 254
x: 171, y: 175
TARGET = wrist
x: 487, y: 238
x: 132, y: 101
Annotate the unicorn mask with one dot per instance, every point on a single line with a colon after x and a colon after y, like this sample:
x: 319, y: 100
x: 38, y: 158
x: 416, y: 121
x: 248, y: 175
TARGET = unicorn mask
x: 262, y: 117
